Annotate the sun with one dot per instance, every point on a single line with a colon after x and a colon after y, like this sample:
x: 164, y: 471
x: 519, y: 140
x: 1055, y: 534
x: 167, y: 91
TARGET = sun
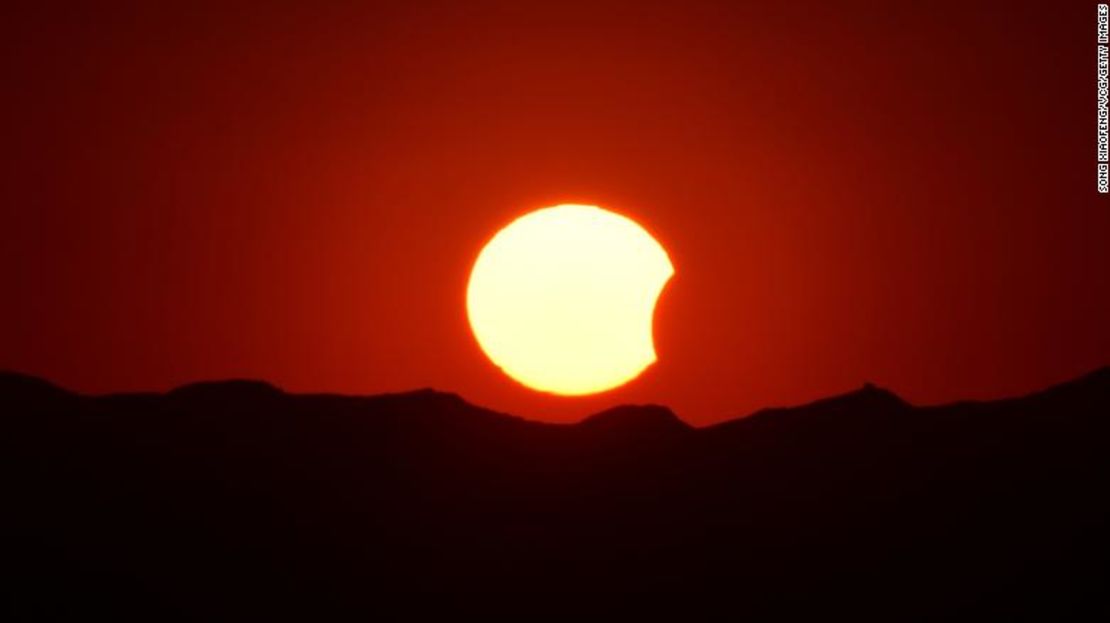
x: 562, y: 299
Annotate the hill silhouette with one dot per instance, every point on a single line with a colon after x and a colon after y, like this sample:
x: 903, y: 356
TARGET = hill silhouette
x: 236, y: 500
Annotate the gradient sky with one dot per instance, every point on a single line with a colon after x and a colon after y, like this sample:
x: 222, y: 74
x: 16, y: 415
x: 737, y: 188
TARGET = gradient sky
x: 901, y: 193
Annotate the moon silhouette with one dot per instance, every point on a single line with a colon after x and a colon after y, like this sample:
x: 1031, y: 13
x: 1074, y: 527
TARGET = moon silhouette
x: 562, y: 299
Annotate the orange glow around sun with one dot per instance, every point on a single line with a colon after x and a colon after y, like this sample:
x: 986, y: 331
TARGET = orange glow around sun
x: 562, y: 299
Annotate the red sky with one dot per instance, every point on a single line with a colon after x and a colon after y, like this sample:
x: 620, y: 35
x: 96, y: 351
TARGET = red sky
x: 894, y: 192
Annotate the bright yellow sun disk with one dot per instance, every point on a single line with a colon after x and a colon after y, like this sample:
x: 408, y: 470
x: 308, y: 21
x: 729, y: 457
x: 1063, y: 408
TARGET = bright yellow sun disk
x: 562, y: 299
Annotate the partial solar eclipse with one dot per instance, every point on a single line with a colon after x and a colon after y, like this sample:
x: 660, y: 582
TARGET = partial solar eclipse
x: 562, y: 299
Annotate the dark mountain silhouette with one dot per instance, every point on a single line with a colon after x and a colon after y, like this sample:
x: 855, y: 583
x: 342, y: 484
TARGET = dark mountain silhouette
x: 636, y: 421
x: 236, y: 500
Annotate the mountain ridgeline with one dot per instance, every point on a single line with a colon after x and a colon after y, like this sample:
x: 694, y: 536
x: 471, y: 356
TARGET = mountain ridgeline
x: 236, y: 500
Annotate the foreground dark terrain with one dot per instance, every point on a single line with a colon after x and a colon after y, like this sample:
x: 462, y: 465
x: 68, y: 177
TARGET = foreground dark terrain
x: 235, y: 500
